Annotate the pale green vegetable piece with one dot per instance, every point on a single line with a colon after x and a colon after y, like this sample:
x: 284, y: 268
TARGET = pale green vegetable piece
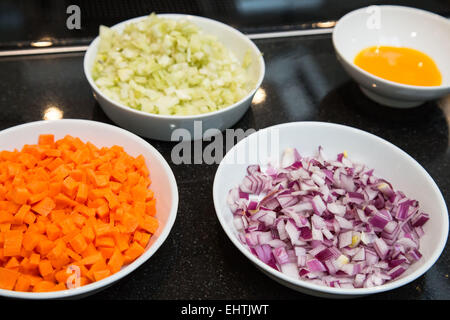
x: 165, y: 66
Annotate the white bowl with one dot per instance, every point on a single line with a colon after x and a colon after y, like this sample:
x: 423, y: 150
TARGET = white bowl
x: 101, y: 134
x: 388, y: 161
x: 161, y: 126
x: 398, y: 26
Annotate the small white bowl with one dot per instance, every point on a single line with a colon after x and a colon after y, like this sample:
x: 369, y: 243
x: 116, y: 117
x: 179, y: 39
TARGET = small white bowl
x: 160, y: 127
x: 101, y: 134
x: 401, y: 27
x: 388, y: 161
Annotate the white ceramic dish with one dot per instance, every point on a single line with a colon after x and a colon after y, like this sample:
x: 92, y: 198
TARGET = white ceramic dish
x: 161, y: 126
x: 100, y: 134
x: 394, y: 26
x: 388, y: 161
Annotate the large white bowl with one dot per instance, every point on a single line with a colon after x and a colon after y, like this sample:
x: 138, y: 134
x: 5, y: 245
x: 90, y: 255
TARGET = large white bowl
x: 161, y: 126
x: 398, y: 26
x: 101, y: 134
x: 388, y: 161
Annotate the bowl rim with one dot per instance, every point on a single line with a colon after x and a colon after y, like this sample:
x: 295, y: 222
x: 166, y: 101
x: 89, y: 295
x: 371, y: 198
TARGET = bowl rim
x: 94, y: 44
x: 411, y: 10
x: 102, y: 284
x: 315, y: 287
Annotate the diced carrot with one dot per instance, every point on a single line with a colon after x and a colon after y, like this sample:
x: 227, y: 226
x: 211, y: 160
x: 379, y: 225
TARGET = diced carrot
x: 59, y: 287
x: 92, y: 259
x: 103, y: 210
x: 54, y: 188
x: 130, y: 222
x: 45, y: 246
x: 37, y: 197
x: 3, y: 228
x: 41, y: 174
x: 139, y: 193
x: 139, y: 162
x: 61, y: 276
x: 64, y: 200
x: 121, y: 240
x: 101, y: 180
x: 8, y: 278
x: 69, y: 186
x: 78, y: 175
x: 18, y: 227
x: 44, y: 207
x: 61, y: 172
x: 88, y: 233
x: 148, y: 223
x: 23, y: 283
x: 119, y: 175
x: 82, y: 193
x: 97, y: 266
x: 101, y: 274
x: 67, y: 202
x: 12, y: 263
x: 150, y: 207
x: 44, y: 286
x: 35, y: 259
x: 86, y: 211
x: 73, y: 255
x: 142, y: 238
x: 106, y: 252
x: 13, y: 243
x: 113, y: 201
x: 29, y: 218
x: 30, y: 240
x: 69, y: 230
x: 132, y: 178
x: 6, y: 217
x: 90, y: 250
x: 80, y: 156
x: 53, y: 232
x: 45, y: 268
x: 20, y: 195
x: 55, y: 164
x: 46, y: 139
x: 37, y: 186
x: 97, y: 193
x: 115, y: 186
x: 102, y: 229
x: 139, y: 208
x: 59, y: 261
x: 78, y: 243
x: 52, y: 153
x: 104, y: 242
x: 115, y: 263
x: 150, y: 194
x: 134, y: 251
x: 28, y: 160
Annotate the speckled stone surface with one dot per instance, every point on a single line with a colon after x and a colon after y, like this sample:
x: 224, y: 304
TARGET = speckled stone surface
x: 303, y: 82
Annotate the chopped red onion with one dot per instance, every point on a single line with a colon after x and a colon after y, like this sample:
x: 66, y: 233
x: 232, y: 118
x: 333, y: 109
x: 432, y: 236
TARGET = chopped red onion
x: 315, y: 265
x: 329, y: 222
x: 420, y: 219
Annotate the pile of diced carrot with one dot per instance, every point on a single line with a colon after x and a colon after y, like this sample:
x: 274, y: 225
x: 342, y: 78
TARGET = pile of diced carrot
x: 67, y: 205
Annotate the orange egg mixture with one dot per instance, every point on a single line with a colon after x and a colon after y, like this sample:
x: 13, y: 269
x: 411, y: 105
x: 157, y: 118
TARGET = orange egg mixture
x: 402, y: 65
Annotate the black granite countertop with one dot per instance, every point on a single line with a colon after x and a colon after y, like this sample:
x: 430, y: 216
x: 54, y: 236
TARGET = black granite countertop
x: 25, y: 21
x: 304, y: 81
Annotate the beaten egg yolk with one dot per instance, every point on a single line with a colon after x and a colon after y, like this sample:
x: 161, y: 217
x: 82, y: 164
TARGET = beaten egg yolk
x: 402, y: 65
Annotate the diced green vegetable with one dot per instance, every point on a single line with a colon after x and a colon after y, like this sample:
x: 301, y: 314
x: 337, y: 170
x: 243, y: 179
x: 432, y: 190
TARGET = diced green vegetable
x: 165, y: 66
